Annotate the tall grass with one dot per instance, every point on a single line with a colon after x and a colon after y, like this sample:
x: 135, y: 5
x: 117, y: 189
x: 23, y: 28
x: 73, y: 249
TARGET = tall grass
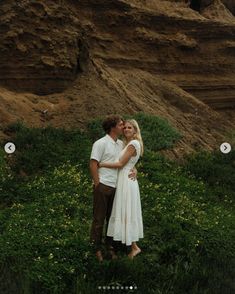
x: 46, y: 213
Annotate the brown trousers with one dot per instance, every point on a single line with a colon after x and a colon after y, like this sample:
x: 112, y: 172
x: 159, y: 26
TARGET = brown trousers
x: 102, y: 208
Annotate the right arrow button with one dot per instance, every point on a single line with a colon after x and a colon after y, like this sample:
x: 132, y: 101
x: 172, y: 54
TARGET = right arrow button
x: 225, y: 148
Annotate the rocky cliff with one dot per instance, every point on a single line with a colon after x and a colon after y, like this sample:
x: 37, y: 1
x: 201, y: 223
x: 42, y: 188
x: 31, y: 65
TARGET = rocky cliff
x: 79, y: 59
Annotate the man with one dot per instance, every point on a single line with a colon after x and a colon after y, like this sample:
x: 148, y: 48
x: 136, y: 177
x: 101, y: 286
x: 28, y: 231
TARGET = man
x: 106, y: 149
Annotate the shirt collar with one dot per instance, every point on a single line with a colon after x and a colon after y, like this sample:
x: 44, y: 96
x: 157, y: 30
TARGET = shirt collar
x: 111, y: 139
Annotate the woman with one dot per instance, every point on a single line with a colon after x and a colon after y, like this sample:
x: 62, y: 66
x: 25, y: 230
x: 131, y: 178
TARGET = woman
x: 126, y: 223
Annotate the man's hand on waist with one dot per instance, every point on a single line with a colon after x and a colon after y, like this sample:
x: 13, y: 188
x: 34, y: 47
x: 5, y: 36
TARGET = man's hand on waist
x: 133, y: 174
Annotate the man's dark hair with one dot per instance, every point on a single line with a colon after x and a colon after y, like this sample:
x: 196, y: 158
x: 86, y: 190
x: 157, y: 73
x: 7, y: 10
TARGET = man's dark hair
x: 110, y: 122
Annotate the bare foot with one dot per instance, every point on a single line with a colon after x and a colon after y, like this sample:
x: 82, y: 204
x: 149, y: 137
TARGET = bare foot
x: 112, y: 253
x: 134, y: 252
x: 99, y: 256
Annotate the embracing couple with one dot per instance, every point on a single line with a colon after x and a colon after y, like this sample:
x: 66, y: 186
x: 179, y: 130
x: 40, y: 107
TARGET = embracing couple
x: 116, y: 190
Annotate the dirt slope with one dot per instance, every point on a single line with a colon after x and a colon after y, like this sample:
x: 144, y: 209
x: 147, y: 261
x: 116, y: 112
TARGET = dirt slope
x: 66, y: 62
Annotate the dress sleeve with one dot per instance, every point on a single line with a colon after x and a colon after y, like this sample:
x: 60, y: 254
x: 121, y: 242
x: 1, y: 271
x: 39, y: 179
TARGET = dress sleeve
x: 136, y: 144
x: 97, y: 151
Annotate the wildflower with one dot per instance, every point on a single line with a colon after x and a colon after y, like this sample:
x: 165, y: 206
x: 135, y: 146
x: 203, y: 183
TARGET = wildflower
x: 50, y: 256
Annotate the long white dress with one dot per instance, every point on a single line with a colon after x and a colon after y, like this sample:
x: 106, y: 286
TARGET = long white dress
x: 125, y: 223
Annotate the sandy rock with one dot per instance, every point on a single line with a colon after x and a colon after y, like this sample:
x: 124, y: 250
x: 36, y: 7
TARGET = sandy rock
x: 83, y: 59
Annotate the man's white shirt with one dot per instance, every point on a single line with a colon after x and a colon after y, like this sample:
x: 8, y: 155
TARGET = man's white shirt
x: 107, y: 150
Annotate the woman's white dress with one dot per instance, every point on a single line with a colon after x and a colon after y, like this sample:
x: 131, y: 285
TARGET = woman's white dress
x: 125, y: 223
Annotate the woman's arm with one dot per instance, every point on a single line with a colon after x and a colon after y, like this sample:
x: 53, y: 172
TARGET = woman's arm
x: 130, y: 151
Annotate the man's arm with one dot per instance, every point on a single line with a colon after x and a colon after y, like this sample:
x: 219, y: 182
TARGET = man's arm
x: 94, y: 171
x: 122, y: 161
x: 96, y: 156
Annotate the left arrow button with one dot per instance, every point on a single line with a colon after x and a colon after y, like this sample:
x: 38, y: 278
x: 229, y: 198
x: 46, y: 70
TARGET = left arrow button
x: 10, y: 148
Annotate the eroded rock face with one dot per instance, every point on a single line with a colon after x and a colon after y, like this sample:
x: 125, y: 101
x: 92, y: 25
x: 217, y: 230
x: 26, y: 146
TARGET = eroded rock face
x: 230, y: 4
x: 217, y: 11
x: 160, y: 57
x: 44, y: 45
x: 39, y: 46
x: 199, y: 5
x: 178, y: 44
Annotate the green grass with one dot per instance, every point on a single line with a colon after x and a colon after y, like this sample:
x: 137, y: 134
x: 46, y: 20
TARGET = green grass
x: 46, y: 212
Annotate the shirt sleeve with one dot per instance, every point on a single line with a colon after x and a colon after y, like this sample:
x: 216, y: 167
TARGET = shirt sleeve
x: 97, y: 151
x: 136, y: 144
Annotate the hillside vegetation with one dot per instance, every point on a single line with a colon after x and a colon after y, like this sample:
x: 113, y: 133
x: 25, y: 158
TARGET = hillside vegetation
x: 46, y: 213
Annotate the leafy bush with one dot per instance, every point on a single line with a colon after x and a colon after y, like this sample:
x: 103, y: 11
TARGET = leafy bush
x: 157, y: 133
x: 39, y: 149
x: 217, y: 169
x: 6, y: 181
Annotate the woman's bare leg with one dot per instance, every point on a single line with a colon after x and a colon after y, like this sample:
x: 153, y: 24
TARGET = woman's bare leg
x: 134, y: 250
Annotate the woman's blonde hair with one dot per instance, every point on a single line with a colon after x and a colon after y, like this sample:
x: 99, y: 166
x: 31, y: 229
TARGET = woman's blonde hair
x: 137, y: 135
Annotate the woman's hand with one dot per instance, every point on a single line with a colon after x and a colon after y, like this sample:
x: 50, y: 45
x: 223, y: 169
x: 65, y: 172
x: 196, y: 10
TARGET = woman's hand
x: 100, y: 164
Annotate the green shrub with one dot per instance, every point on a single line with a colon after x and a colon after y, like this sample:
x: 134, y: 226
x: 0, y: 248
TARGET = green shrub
x: 7, y: 183
x: 39, y: 149
x: 216, y: 168
x: 157, y: 133
x: 95, y: 130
